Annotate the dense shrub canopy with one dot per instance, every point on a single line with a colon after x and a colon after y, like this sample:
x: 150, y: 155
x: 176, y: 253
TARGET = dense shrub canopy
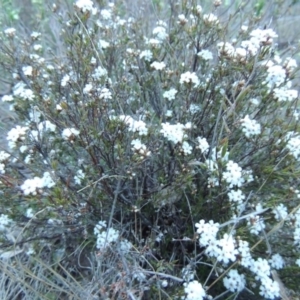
x: 153, y: 155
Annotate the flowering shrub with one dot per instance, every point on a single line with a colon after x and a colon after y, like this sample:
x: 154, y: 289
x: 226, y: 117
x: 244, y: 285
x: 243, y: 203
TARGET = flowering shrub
x: 151, y: 160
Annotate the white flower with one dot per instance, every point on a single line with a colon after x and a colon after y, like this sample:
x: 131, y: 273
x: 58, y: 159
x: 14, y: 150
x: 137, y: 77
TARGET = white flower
x: 236, y: 196
x: 186, y: 148
x: 297, y: 236
x: 105, y: 237
x: 146, y: 55
x: 212, y: 246
x: 21, y: 91
x: 194, y: 108
x: 88, y: 88
x: 27, y: 70
x: 86, y: 6
x: 210, y: 19
x: 159, y: 237
x: 203, y: 144
x: 4, y: 156
x: 170, y: 94
x: 65, y: 80
x: 105, y: 14
x: 250, y: 127
x: 7, y: 98
x: 35, y: 115
x: 164, y: 283
x: 105, y: 94
x: 155, y: 43
x: 240, y: 54
x: 199, y: 9
x: 99, y: 226
x: 35, y: 35
x: 103, y: 44
x: 174, y: 133
x: 160, y: 33
x: 280, y: 212
x: 70, y: 133
x: 234, y: 282
x: 290, y: 64
x: 28, y: 159
x: 244, y: 251
x: 233, y: 175
x: 208, y: 231
x: 254, y: 101
x: 188, y: 273
x: 16, y: 134
x: 169, y: 113
x: 182, y: 19
x: 276, y: 76
x: 79, y: 176
x: 139, y: 276
x: 30, y: 186
x: 47, y: 180
x: 99, y: 72
x: 225, y: 49
x: 135, y: 126
x: 30, y: 251
x: 269, y: 289
x: 37, y: 47
x: 39, y: 60
x: 29, y: 213
x: 4, y: 222
x: 251, y: 46
x: 10, y: 32
x: 256, y: 224
x: 125, y: 246
x: 2, y: 168
x: 158, y: 65
x: 264, y: 36
x: 228, y: 251
x: 261, y: 268
x: 46, y: 126
x: 205, y: 54
x: 244, y: 28
x: 189, y: 77
x: 194, y: 290
x: 293, y: 146
x: 283, y: 94
x: 276, y: 261
x: 188, y: 125
x: 136, y: 144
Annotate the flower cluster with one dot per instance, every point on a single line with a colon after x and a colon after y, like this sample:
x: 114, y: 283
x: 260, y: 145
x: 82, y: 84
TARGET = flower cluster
x: 175, y: 133
x: 105, y: 236
x: 134, y: 125
x: 194, y: 290
x: 293, y: 144
x: 228, y: 249
x: 16, y: 134
x: 189, y: 78
x: 108, y: 236
x: 233, y: 175
x: 32, y: 186
x: 85, y: 6
x: 234, y: 281
x: 5, y: 221
x: 250, y: 127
